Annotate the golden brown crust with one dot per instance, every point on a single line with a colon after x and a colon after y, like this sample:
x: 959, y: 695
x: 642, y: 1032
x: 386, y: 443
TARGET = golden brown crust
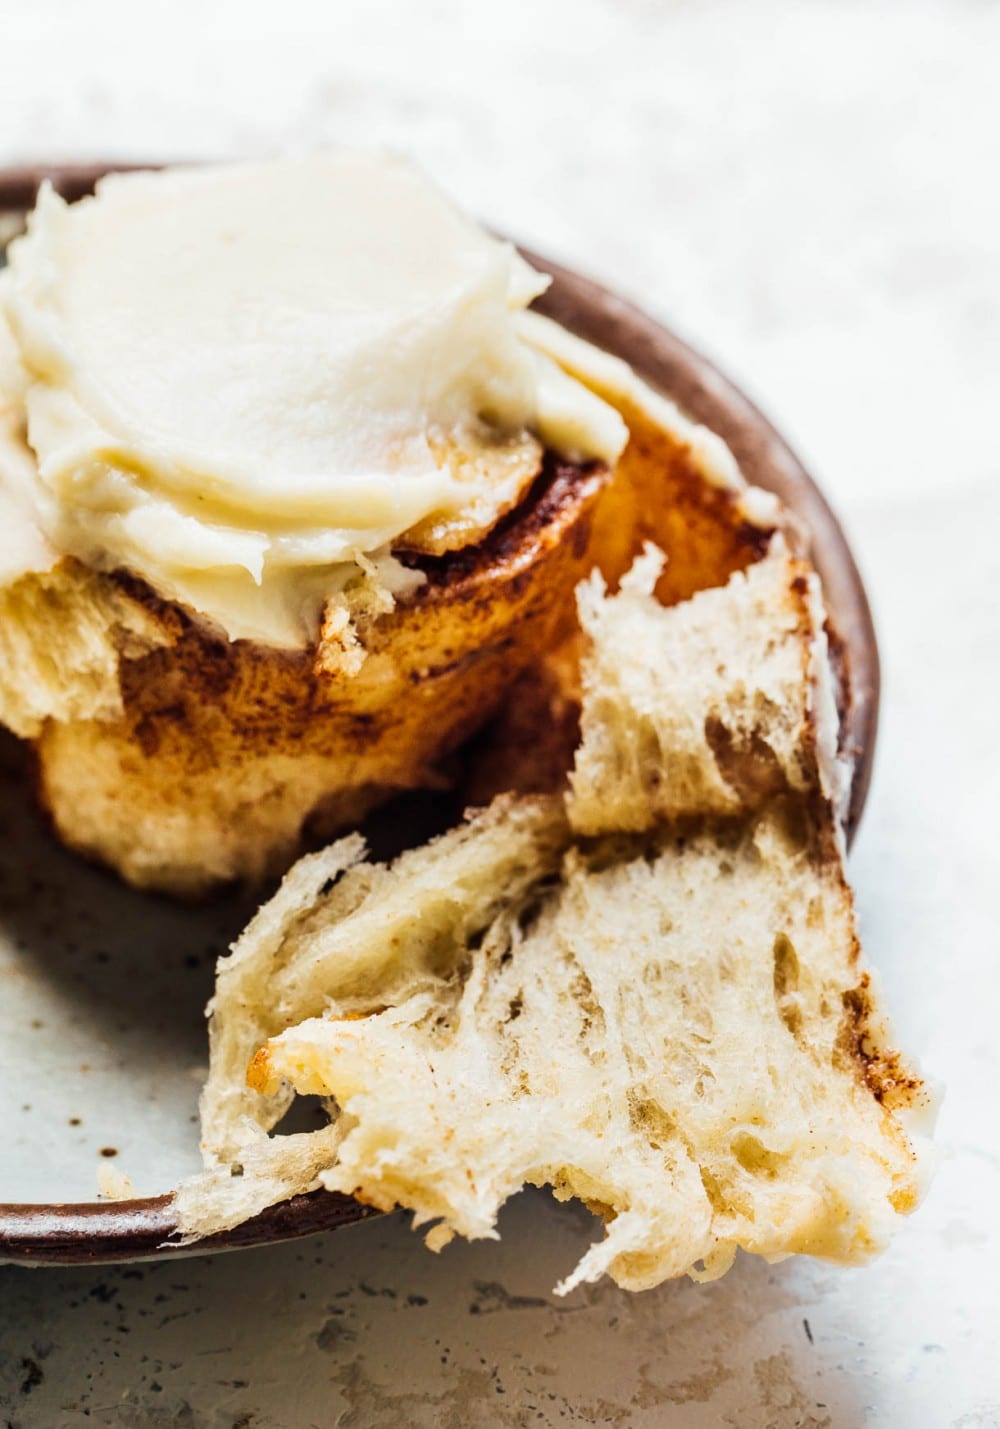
x: 225, y: 750
x: 660, y: 493
x: 884, y: 1071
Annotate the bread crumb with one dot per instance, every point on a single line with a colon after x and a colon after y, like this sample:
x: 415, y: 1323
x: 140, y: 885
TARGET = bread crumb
x: 112, y: 1183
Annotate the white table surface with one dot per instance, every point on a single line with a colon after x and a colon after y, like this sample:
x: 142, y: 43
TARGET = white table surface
x: 809, y: 191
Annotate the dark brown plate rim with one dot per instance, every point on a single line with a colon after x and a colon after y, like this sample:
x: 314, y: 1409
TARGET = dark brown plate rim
x: 108, y: 1231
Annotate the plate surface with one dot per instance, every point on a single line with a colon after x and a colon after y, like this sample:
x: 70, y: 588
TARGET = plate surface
x: 102, y: 1036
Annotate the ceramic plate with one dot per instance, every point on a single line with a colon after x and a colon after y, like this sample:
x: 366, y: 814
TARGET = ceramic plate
x: 102, y: 990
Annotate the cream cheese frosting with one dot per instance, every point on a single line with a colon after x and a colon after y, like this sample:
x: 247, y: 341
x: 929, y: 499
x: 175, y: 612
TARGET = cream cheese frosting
x: 23, y: 547
x: 248, y: 382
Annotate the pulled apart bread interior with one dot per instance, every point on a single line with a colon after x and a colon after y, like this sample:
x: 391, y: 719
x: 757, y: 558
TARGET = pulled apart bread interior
x: 647, y: 993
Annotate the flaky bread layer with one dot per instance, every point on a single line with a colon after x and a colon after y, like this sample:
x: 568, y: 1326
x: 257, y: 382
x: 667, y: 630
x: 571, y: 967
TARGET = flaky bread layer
x: 648, y: 994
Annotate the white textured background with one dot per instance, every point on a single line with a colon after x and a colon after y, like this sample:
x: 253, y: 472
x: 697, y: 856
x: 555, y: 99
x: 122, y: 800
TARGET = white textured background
x: 808, y: 189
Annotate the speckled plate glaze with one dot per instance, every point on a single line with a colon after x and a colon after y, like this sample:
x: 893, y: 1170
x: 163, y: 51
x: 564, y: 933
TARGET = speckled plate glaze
x: 102, y: 990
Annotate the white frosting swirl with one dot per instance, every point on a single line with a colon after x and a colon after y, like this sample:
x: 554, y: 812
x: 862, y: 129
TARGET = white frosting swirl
x: 238, y: 379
